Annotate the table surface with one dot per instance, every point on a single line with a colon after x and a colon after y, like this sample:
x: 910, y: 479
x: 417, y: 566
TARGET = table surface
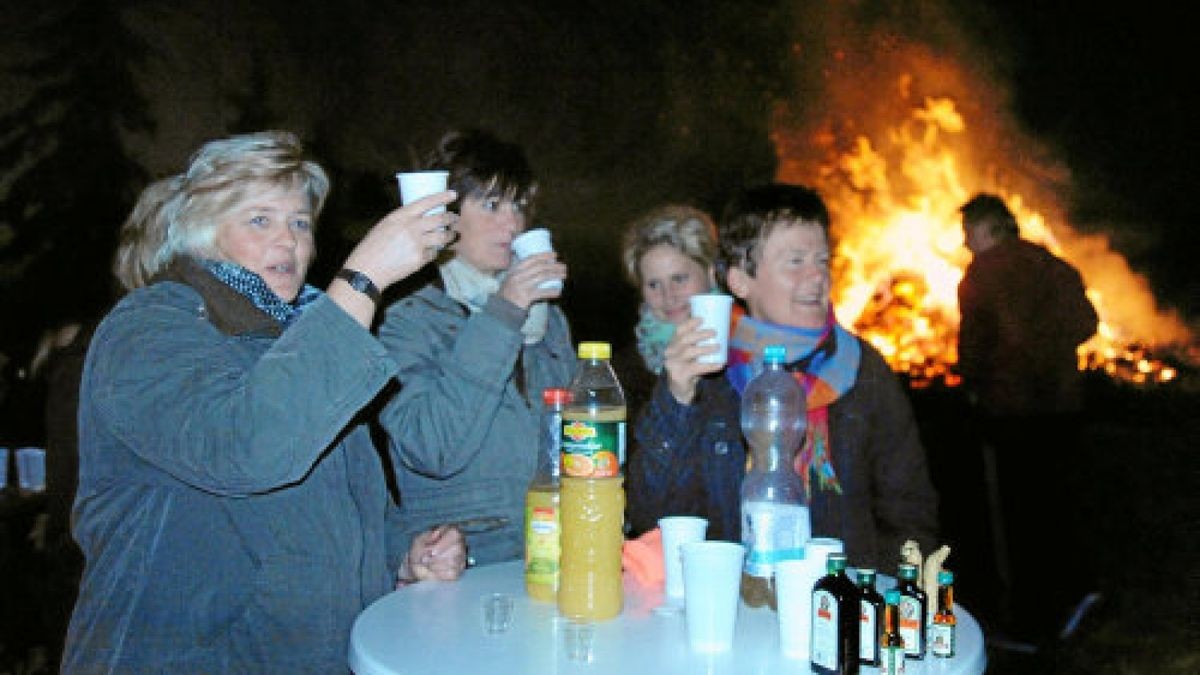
x: 436, y: 627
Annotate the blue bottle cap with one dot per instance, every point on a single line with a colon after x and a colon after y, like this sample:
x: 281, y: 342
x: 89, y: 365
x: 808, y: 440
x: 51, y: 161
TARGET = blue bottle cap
x: 774, y: 354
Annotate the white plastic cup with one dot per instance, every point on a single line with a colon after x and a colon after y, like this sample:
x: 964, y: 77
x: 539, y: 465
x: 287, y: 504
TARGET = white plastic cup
x: 417, y: 184
x: 794, y: 580
x: 533, y: 242
x: 712, y: 574
x: 677, y: 531
x: 31, y: 469
x: 714, y: 309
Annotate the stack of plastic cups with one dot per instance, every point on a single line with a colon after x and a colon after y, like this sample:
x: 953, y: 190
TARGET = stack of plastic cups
x: 794, y: 581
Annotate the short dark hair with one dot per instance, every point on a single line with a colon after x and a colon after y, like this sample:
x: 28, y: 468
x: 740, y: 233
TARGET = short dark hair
x: 753, y: 214
x: 988, y: 209
x: 481, y: 165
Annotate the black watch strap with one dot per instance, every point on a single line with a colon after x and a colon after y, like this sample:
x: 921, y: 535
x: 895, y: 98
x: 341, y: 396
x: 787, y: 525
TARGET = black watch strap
x: 361, y: 283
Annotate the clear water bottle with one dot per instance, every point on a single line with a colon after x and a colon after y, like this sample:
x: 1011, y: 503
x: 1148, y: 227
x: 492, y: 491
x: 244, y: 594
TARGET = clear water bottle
x: 775, y: 518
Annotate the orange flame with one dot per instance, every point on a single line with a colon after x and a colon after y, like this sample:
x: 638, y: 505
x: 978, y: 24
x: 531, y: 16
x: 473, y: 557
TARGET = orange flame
x: 894, y: 192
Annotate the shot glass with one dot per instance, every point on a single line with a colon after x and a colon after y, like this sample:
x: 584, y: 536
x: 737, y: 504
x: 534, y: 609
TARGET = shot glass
x: 578, y: 640
x: 497, y: 613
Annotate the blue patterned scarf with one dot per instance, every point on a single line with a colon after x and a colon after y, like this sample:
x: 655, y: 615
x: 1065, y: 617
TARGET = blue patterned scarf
x: 653, y: 334
x: 258, y: 292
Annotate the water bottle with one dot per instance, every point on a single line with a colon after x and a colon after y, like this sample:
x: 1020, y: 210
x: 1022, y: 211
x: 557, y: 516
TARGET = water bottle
x: 775, y: 519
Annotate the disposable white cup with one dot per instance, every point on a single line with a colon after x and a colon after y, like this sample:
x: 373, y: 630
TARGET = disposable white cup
x: 417, y: 184
x: 794, y: 580
x: 31, y: 468
x: 532, y: 242
x: 714, y: 309
x: 677, y: 531
x: 712, y: 573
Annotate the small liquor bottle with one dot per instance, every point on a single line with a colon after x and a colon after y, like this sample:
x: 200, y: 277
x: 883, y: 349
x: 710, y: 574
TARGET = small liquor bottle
x: 835, y: 608
x: 870, y: 618
x: 913, y: 612
x: 941, y: 633
x: 891, y: 645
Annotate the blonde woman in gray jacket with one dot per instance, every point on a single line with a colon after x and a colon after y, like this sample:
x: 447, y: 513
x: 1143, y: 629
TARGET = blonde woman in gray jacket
x: 476, y: 346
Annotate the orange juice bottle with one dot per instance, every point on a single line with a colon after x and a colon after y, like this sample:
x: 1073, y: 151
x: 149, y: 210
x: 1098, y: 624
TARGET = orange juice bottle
x: 593, y: 439
x: 593, y: 511
x: 542, y: 521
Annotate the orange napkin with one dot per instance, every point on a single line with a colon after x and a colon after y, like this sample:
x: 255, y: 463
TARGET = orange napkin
x: 643, y: 559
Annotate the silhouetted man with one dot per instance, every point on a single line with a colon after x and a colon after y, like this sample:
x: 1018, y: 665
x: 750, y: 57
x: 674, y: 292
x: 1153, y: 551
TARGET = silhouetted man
x: 1024, y: 312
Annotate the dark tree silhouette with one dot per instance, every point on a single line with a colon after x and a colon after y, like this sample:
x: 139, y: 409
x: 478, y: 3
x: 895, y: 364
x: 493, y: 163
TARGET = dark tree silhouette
x: 68, y: 180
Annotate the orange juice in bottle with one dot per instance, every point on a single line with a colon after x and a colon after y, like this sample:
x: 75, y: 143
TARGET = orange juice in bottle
x: 592, y: 511
x: 542, y: 522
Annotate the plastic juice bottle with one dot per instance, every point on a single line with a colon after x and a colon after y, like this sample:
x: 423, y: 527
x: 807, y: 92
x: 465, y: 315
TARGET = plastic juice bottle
x: 775, y: 518
x: 913, y: 607
x: 870, y: 619
x: 542, y: 526
x: 593, y: 512
x: 941, y: 633
x: 835, y: 619
x: 593, y: 439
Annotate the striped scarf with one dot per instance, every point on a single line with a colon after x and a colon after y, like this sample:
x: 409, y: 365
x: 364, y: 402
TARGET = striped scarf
x: 823, y: 360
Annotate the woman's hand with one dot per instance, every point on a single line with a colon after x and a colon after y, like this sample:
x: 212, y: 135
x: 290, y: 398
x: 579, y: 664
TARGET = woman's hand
x: 440, y: 553
x: 681, y: 364
x: 404, y: 241
x: 522, y: 284
x: 400, y: 244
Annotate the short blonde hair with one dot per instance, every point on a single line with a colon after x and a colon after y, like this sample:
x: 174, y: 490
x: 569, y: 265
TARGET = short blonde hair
x: 687, y: 229
x: 218, y: 179
x: 143, y: 234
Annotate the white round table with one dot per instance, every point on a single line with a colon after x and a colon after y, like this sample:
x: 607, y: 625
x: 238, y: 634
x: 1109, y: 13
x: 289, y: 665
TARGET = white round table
x: 436, y: 627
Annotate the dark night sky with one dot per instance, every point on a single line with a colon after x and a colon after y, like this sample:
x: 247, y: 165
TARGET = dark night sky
x: 623, y: 105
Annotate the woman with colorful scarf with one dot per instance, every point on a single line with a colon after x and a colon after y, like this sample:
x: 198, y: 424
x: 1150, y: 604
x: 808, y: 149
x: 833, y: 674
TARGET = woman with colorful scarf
x: 668, y: 255
x: 862, y: 463
x: 231, y: 504
x: 476, y: 346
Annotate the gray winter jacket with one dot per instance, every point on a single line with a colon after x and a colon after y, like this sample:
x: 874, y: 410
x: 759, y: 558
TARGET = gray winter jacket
x: 465, y: 420
x: 230, y: 504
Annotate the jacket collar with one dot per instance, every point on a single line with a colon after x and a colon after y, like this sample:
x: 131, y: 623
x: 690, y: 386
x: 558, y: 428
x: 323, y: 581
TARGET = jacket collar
x: 229, y: 311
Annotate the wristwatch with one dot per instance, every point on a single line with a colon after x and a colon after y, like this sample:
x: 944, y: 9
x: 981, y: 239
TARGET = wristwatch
x: 361, y: 283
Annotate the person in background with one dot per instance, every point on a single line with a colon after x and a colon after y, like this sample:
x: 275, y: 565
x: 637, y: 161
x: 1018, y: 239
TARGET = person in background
x: 668, y: 255
x: 230, y: 504
x: 862, y: 463
x: 476, y: 346
x: 1024, y: 312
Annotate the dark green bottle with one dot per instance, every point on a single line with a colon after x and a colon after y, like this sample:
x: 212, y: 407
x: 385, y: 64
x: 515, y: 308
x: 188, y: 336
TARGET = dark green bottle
x: 835, y: 612
x: 914, y: 608
x: 870, y: 618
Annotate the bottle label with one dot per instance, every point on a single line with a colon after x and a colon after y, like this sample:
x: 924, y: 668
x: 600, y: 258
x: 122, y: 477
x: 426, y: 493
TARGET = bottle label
x: 824, y: 644
x: 773, y: 532
x: 941, y: 640
x: 868, y: 638
x: 592, y: 449
x: 910, y: 625
x: 542, y: 545
x: 891, y: 661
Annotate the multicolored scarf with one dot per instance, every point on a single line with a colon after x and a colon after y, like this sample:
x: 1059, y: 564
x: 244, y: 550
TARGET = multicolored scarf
x: 653, y: 334
x: 258, y: 292
x: 823, y: 360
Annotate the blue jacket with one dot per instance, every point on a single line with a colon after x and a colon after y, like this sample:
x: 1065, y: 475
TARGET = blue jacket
x: 465, y: 421
x: 230, y: 505
x: 690, y: 460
